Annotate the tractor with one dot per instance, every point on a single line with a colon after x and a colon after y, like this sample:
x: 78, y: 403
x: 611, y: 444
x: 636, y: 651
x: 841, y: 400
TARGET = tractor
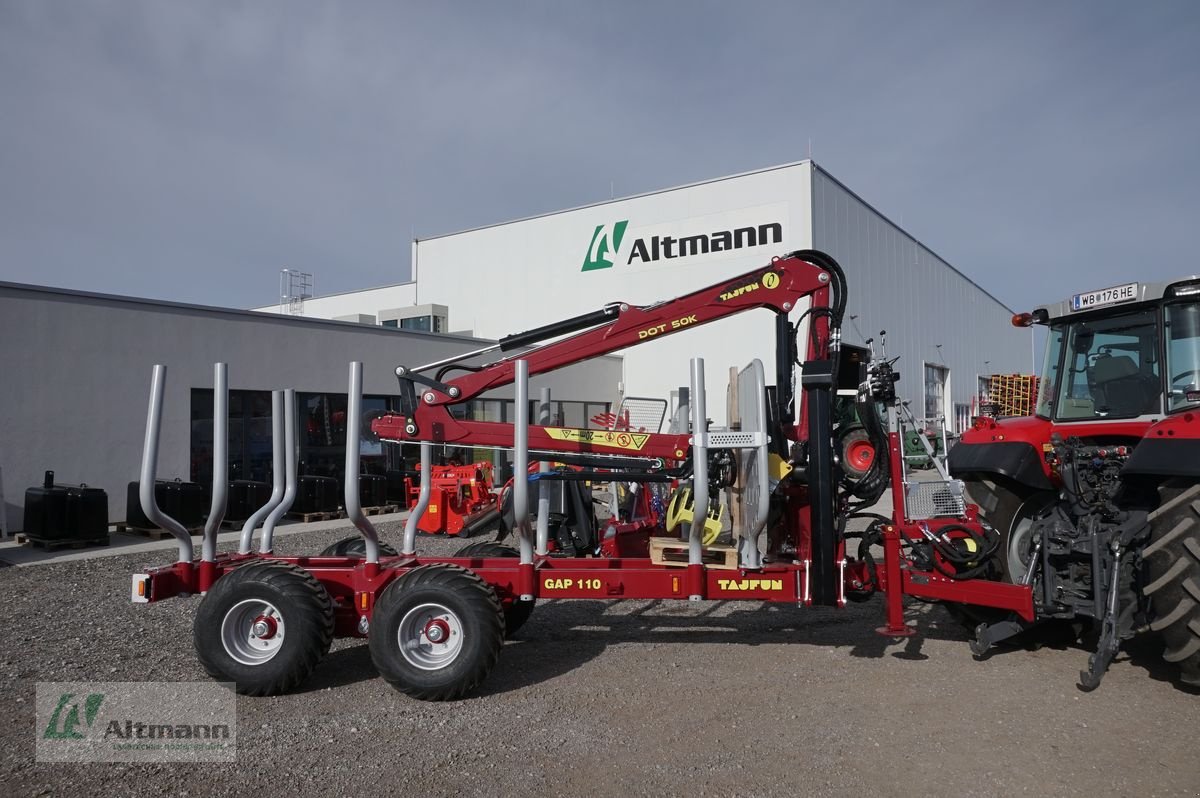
x: 1096, y: 496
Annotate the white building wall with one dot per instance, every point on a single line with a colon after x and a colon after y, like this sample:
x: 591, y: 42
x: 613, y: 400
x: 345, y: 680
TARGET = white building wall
x: 899, y: 285
x: 534, y: 272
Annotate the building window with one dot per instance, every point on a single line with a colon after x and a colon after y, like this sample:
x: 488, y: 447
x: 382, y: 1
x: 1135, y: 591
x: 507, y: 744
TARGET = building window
x: 249, y: 435
x: 936, y: 378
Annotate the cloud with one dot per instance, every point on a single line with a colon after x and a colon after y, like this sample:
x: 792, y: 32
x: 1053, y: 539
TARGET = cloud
x: 189, y: 151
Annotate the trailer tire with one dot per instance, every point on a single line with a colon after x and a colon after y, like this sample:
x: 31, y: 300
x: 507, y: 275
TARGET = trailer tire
x: 356, y: 547
x: 436, y: 632
x: 516, y: 612
x: 288, y: 603
x: 1172, y: 569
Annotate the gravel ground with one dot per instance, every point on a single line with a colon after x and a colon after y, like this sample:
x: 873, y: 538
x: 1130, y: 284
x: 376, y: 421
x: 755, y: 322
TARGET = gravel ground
x: 625, y: 698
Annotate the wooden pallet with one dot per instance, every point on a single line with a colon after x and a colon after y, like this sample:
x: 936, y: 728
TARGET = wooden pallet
x: 673, y: 551
x: 383, y: 509
x: 154, y: 533
x: 308, y: 518
x: 52, y: 545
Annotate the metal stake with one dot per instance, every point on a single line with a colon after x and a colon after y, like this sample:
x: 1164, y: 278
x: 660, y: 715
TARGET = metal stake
x: 353, y: 463
x: 289, y: 475
x: 150, y: 468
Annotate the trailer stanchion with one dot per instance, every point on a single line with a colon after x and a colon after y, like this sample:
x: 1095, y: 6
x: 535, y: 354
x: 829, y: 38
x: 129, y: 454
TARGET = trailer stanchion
x: 410, y: 526
x: 521, y: 480
x: 289, y: 472
x: 543, y: 507
x: 277, y: 468
x: 353, y: 464
x: 699, y: 482
x: 220, y: 475
x: 893, y: 576
x: 150, y: 471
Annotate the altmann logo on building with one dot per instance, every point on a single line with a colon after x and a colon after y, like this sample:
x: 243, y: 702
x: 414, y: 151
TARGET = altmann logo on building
x: 605, y: 247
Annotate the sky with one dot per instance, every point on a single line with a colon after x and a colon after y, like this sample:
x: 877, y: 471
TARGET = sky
x: 189, y: 151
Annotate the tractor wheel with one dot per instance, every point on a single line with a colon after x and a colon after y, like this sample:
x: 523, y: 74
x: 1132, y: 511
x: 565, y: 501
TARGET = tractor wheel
x: 516, y: 613
x: 1173, y: 576
x: 264, y: 626
x: 1012, y: 515
x: 857, y: 453
x: 436, y: 632
x: 356, y: 547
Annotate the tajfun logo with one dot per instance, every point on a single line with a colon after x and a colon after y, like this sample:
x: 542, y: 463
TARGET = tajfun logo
x: 606, y: 240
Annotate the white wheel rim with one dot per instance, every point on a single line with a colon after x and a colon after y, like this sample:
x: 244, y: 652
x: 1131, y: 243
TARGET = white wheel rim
x: 430, y: 636
x: 252, y: 632
x: 1020, y: 552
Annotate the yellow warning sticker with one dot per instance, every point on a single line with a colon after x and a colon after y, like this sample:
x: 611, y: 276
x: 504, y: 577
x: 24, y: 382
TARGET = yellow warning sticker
x: 633, y: 441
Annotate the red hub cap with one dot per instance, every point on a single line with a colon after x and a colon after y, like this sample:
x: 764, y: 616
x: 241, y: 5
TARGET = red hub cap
x: 860, y: 454
x: 264, y: 627
x: 437, y: 631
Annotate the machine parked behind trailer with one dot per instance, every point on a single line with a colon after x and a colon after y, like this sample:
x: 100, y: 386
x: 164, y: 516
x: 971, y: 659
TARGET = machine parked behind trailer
x: 1097, y: 495
x: 435, y: 626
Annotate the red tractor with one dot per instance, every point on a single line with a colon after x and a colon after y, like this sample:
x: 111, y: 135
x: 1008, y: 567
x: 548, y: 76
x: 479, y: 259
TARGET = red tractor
x: 1096, y: 497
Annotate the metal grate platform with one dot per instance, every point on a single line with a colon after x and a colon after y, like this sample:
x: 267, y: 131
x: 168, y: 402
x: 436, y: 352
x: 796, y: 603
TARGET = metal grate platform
x: 934, y: 499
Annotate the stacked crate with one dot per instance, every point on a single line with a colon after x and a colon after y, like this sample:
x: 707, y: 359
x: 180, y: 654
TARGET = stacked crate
x: 1012, y: 394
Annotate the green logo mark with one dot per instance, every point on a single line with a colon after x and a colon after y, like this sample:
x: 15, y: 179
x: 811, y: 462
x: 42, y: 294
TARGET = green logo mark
x: 63, y: 728
x: 605, y: 243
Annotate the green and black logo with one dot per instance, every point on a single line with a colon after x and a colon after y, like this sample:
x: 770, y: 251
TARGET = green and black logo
x: 65, y: 727
x: 606, y: 240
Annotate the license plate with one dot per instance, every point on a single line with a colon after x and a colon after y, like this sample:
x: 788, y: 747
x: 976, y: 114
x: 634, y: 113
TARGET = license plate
x: 1105, y: 296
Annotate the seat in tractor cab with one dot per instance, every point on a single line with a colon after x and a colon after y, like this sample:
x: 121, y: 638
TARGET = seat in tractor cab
x: 1121, y: 388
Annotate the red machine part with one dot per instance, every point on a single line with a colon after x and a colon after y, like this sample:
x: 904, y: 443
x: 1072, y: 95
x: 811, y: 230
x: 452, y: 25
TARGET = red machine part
x: 458, y: 494
x: 355, y: 585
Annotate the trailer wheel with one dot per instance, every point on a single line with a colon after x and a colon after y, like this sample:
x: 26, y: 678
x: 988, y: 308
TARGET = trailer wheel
x: 436, y: 632
x: 1173, y: 576
x: 356, y: 547
x: 264, y: 626
x: 516, y: 613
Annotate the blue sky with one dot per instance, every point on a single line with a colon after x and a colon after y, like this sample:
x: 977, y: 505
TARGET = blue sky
x: 188, y: 151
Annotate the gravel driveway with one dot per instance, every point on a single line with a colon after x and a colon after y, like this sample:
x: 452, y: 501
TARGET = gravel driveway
x: 623, y: 698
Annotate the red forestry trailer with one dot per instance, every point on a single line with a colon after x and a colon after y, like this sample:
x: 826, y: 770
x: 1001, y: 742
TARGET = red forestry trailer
x: 436, y: 625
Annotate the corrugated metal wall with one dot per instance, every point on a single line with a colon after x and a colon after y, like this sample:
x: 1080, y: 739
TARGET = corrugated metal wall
x: 899, y: 285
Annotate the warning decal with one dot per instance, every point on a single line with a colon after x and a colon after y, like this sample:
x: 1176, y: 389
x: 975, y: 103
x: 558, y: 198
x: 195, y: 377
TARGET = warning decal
x: 633, y: 441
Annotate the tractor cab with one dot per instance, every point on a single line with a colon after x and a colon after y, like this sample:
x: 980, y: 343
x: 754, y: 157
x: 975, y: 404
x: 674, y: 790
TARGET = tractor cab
x: 1124, y: 353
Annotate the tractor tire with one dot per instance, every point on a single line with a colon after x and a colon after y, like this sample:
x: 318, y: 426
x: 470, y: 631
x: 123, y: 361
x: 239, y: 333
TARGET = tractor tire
x: 436, y: 632
x: 264, y: 626
x: 1011, y: 514
x: 516, y: 613
x: 356, y: 547
x: 857, y: 453
x: 1172, y: 568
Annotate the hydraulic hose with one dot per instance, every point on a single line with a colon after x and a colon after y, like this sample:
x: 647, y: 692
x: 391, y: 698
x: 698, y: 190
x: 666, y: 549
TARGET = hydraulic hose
x: 962, y: 560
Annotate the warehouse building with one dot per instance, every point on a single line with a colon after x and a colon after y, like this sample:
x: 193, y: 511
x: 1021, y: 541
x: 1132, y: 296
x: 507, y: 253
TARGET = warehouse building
x: 946, y: 329
x: 75, y: 375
